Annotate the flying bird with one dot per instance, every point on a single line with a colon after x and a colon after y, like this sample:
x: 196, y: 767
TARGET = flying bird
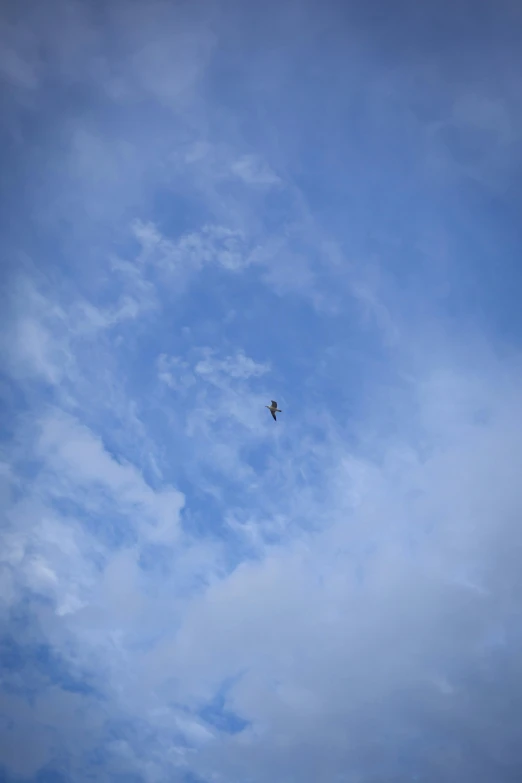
x: 273, y: 409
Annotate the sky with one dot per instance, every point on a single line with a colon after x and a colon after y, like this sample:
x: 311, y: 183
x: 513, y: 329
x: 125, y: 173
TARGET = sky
x: 207, y: 206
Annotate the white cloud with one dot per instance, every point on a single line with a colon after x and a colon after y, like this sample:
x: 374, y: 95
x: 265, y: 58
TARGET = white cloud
x: 37, y: 352
x: 238, y: 366
x: 223, y: 373
x: 191, y: 252
x: 81, y: 461
x: 219, y: 407
x: 175, y: 373
x: 254, y: 171
x: 41, y: 339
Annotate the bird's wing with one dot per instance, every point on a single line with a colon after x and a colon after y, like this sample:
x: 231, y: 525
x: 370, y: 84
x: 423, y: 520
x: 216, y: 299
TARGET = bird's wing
x: 274, y: 416
x: 274, y: 403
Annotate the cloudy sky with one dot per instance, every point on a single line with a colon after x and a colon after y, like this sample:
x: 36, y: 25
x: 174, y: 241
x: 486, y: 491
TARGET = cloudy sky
x: 206, y: 206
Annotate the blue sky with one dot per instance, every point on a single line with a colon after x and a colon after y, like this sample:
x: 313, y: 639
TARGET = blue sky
x: 207, y: 206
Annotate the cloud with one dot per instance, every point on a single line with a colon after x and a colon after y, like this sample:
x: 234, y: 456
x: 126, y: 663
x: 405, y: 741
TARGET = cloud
x: 175, y: 372
x: 213, y: 244
x: 238, y: 366
x: 254, y: 172
x: 195, y: 222
x: 82, y: 504
x: 74, y: 453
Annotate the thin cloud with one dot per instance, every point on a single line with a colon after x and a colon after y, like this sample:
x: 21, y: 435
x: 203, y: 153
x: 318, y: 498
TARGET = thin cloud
x: 254, y: 172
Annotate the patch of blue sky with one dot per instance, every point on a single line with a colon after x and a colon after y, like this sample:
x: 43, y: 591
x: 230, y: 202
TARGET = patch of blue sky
x: 28, y: 667
x: 224, y: 720
x: 109, y: 526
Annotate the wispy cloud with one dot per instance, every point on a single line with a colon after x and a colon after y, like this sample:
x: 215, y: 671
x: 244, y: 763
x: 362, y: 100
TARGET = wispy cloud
x: 254, y: 172
x: 213, y: 244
